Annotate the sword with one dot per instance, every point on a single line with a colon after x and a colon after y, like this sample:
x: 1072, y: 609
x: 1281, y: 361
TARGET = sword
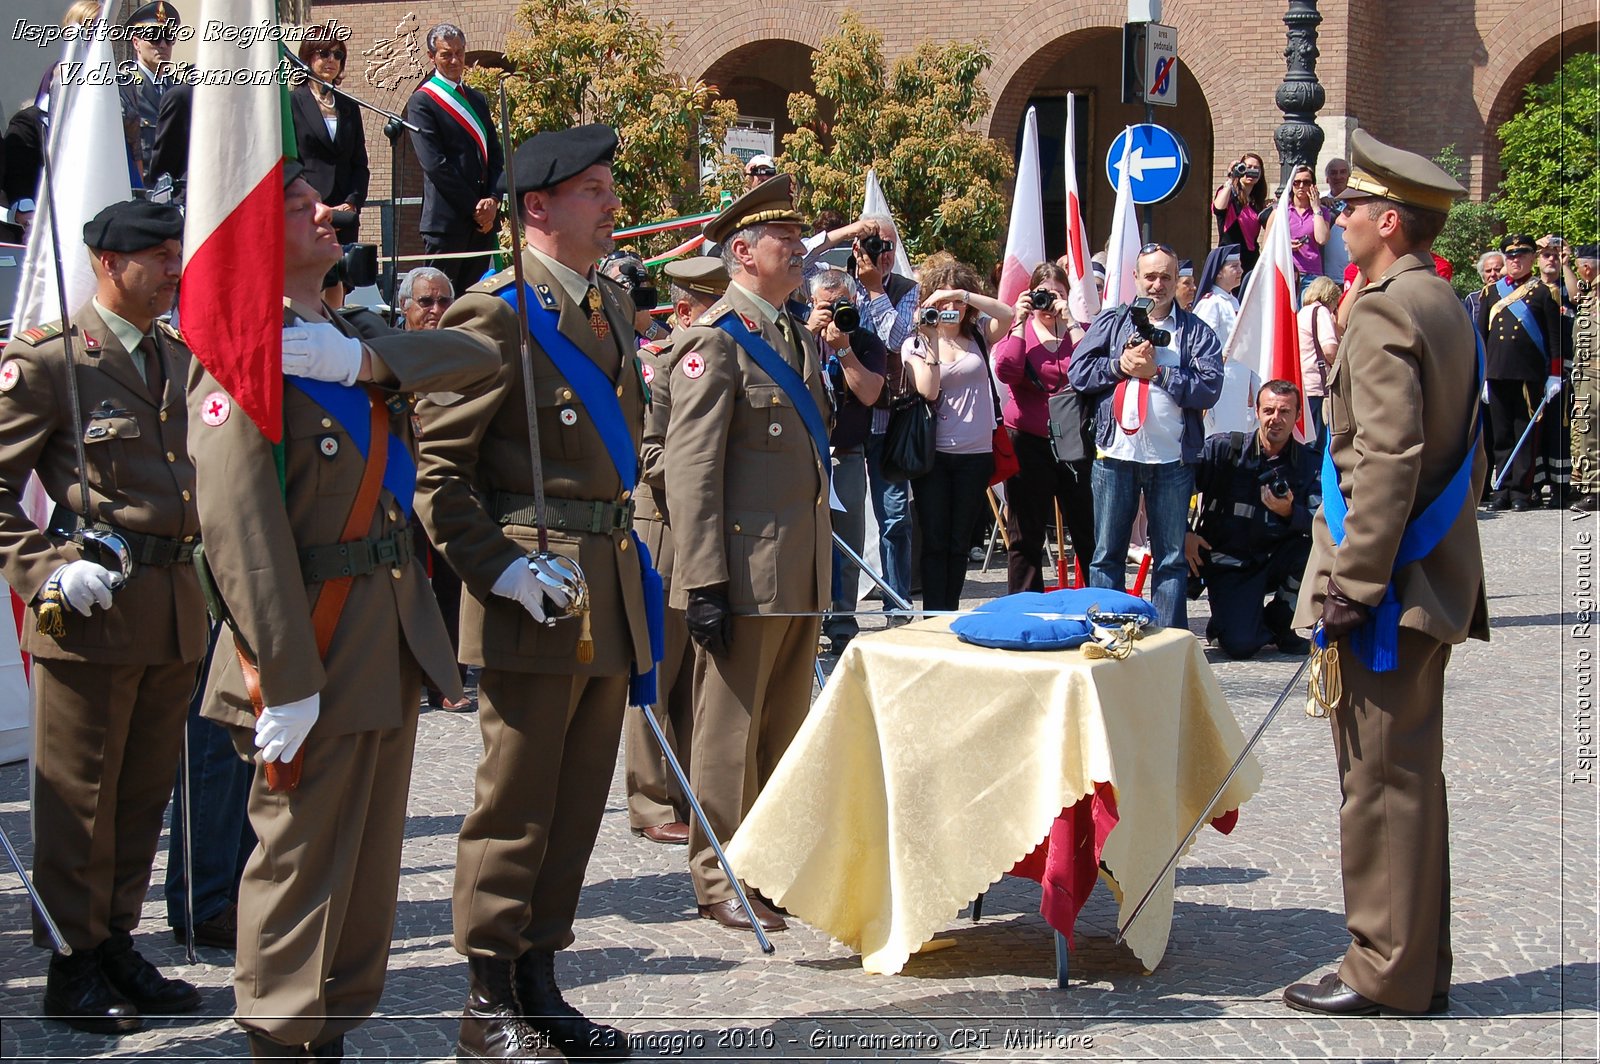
x: 1505, y: 470
x: 33, y: 896
x: 1205, y: 811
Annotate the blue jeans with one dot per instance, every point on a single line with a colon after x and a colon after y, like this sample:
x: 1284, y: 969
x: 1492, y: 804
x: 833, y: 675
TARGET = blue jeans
x: 222, y: 834
x: 1166, y: 488
x: 891, y: 507
x: 850, y: 484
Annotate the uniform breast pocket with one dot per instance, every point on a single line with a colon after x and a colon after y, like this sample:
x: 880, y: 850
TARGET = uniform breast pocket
x: 107, y: 441
x: 773, y: 417
x: 310, y: 428
x: 752, y: 557
x: 563, y: 421
x: 1337, y: 415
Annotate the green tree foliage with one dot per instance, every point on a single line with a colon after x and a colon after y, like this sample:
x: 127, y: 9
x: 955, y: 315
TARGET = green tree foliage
x: 1549, y: 158
x: 915, y: 122
x: 584, y: 61
x: 1470, y: 230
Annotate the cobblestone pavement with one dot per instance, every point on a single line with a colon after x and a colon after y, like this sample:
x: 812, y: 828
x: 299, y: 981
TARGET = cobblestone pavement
x: 1255, y: 910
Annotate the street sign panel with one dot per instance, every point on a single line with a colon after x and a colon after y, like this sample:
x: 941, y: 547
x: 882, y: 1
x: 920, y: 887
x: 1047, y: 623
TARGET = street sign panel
x: 1160, y: 85
x: 1158, y: 162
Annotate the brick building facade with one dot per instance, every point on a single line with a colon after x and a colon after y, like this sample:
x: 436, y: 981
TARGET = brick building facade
x: 1423, y: 83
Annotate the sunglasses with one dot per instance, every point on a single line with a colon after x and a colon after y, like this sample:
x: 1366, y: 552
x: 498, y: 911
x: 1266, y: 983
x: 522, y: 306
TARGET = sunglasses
x: 157, y: 34
x: 326, y: 53
x: 1303, y: 183
x: 429, y: 302
x: 1153, y: 247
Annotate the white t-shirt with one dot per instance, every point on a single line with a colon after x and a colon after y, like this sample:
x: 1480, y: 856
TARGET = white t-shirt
x: 1219, y: 310
x: 1160, y: 438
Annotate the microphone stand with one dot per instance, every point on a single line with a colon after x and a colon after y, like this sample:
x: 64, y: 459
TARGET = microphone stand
x: 393, y: 124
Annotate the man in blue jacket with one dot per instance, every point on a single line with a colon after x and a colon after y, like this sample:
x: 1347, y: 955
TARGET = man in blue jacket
x: 1151, y: 388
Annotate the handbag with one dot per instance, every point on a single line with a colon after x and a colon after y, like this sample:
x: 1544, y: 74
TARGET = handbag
x: 908, y: 441
x: 1071, y: 426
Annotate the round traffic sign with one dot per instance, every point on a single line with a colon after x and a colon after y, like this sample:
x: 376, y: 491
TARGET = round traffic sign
x: 1158, y: 162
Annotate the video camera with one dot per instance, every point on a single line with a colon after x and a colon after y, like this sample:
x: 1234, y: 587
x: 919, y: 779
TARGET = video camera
x: 1139, y: 314
x: 1241, y: 170
x: 643, y: 290
x: 933, y: 316
x: 356, y: 268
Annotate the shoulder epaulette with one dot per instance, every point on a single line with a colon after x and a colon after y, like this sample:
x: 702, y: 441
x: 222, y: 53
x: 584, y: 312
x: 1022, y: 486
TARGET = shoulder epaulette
x: 712, y: 316
x: 41, y: 333
x: 495, y: 282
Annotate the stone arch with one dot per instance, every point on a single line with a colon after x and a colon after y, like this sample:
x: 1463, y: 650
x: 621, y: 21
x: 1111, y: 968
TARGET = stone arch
x: 740, y: 24
x: 1524, y: 44
x: 760, y: 71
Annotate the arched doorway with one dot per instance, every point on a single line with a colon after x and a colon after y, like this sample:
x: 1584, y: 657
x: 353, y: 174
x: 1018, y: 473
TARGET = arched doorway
x: 1086, y: 67
x: 759, y: 77
x: 1537, y: 65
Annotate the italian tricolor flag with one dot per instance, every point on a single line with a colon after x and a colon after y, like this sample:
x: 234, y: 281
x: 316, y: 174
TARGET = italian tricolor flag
x: 231, y: 299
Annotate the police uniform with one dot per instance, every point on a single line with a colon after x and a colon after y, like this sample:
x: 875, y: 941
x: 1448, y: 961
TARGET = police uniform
x: 550, y: 720
x: 110, y: 691
x: 317, y: 900
x: 1400, y: 410
x: 1518, y: 366
x: 656, y: 807
x: 142, y: 92
x: 749, y: 504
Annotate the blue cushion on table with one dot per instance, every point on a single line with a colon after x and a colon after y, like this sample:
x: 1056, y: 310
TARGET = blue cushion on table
x: 1031, y: 620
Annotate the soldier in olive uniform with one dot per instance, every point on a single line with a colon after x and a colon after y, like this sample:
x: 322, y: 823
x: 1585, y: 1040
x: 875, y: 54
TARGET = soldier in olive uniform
x: 327, y: 667
x: 1396, y: 577
x: 656, y: 809
x: 111, y: 687
x: 747, y: 482
x: 551, y: 696
x: 1521, y: 326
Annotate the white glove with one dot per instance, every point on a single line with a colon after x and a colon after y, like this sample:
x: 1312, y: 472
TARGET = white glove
x: 1552, y: 386
x: 1483, y: 396
x: 86, y: 585
x: 321, y: 352
x: 280, y: 730
x: 532, y: 584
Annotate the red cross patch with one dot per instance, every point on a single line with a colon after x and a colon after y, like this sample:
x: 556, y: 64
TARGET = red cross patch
x: 10, y: 374
x: 215, y: 408
x: 647, y: 370
x: 693, y: 366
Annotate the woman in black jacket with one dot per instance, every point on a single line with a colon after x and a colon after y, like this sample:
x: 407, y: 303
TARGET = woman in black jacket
x: 328, y: 132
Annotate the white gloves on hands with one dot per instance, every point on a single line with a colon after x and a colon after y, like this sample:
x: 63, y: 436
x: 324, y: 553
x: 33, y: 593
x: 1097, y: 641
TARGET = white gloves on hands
x: 320, y: 352
x: 532, y: 584
x: 86, y: 585
x: 281, y: 730
x: 1552, y: 386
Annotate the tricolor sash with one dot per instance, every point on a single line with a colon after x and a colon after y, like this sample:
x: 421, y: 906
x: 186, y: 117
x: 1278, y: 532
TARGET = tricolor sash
x: 1512, y: 299
x: 456, y: 105
x: 350, y: 406
x: 785, y: 377
x: 1377, y: 642
x: 599, y: 396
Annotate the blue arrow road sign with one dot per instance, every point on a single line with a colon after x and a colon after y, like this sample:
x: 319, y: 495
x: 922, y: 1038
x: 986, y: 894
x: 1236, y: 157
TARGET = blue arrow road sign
x: 1158, y: 162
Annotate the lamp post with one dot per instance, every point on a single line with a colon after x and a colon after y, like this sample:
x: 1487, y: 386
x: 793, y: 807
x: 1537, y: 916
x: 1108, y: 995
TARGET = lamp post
x: 1299, y: 138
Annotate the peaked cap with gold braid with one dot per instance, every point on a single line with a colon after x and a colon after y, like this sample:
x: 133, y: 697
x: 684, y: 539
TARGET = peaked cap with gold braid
x: 770, y: 201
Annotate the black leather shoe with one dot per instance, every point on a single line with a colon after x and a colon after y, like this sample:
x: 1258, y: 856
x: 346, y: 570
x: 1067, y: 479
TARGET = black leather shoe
x: 546, y: 1010
x: 731, y: 914
x: 219, y: 932
x: 1498, y: 503
x: 1521, y: 506
x: 142, y: 982
x: 264, y: 1048
x: 491, y: 1025
x: 1290, y: 643
x: 1329, y: 996
x: 76, y: 993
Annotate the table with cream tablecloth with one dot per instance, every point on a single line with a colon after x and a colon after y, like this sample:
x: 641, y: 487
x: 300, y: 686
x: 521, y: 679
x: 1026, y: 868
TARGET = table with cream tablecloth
x: 929, y: 767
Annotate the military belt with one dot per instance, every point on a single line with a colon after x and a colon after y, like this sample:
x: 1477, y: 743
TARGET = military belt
x: 144, y: 549
x: 571, y: 515
x: 357, y: 557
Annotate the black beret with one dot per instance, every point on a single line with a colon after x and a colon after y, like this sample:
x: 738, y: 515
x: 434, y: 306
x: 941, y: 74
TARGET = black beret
x: 133, y: 225
x: 1517, y: 242
x: 292, y: 168
x: 155, y: 14
x: 1586, y: 251
x: 547, y: 159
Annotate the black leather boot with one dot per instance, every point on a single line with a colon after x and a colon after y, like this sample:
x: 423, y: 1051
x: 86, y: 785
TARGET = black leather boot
x: 142, y: 982
x: 333, y: 1049
x: 76, y: 993
x: 491, y: 1025
x: 264, y: 1048
x: 546, y: 1010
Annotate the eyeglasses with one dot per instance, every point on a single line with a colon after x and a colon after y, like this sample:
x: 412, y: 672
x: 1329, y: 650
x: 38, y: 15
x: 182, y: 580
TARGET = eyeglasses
x: 429, y: 302
x: 328, y: 53
x: 1150, y: 249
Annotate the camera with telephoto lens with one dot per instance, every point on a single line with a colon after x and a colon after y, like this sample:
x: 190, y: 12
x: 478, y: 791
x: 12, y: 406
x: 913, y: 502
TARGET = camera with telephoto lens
x: 356, y: 268
x: 845, y: 316
x: 1042, y: 299
x: 1139, y: 314
x: 1273, y: 480
x: 873, y: 245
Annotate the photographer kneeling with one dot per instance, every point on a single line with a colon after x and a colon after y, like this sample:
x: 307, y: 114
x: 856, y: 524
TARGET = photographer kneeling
x: 854, y: 360
x: 1257, y: 495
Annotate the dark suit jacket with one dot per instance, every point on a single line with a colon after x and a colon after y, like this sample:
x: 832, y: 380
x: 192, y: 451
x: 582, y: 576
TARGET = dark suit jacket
x: 454, y: 175
x: 24, y: 155
x: 170, y: 155
x: 335, y: 166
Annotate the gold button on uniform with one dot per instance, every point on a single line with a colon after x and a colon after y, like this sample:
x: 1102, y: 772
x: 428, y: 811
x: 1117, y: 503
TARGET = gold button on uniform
x: 163, y: 415
x: 397, y: 572
x: 327, y: 423
x: 186, y: 495
x: 171, y: 457
x: 736, y: 527
x: 623, y: 545
x: 394, y: 515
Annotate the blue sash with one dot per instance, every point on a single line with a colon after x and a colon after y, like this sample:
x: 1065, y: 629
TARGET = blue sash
x: 785, y: 377
x: 1519, y: 309
x: 599, y: 396
x: 350, y: 406
x: 1377, y: 642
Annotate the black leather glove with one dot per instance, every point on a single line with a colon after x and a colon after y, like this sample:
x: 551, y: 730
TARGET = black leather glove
x: 710, y: 620
x: 1341, y: 615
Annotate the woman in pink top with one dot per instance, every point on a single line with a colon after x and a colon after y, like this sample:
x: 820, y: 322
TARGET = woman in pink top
x: 1032, y: 362
x: 1319, y: 344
